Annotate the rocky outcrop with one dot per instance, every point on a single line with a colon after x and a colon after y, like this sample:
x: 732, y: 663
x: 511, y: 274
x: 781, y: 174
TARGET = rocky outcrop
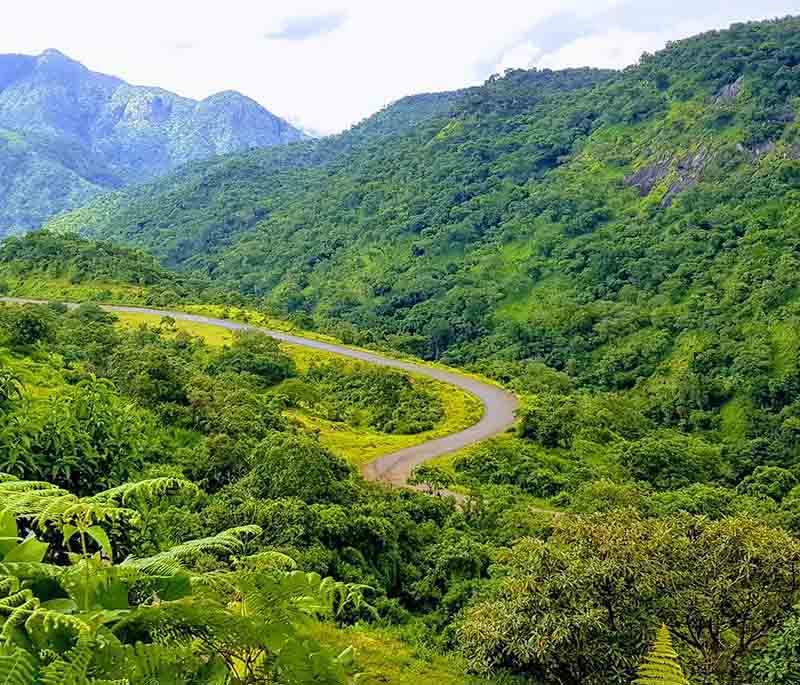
x: 683, y: 173
x: 649, y: 176
x: 688, y: 172
x: 731, y: 91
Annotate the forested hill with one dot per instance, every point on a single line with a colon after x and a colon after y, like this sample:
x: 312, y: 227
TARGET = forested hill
x: 42, y: 265
x: 586, y: 219
x: 205, y: 207
x: 68, y: 134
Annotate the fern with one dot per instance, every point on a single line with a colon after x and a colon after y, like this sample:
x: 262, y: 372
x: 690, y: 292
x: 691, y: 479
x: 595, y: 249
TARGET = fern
x: 147, y: 491
x: 661, y: 666
x: 17, y: 667
x: 228, y: 542
x: 48, y: 504
x: 74, y: 667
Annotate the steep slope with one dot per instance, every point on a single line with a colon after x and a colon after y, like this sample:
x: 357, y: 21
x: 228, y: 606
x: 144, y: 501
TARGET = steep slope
x: 208, y: 204
x: 604, y: 224
x: 67, y: 133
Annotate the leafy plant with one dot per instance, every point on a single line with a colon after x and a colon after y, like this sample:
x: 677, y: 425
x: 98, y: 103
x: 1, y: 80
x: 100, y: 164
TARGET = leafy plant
x: 660, y: 665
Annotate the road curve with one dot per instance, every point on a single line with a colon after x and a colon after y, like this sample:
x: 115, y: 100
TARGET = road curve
x: 499, y: 405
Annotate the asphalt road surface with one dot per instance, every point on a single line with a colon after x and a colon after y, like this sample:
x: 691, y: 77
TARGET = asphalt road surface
x: 499, y: 405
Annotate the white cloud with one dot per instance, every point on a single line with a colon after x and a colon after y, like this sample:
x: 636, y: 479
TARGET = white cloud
x: 521, y: 56
x: 324, y: 72
x: 614, y: 49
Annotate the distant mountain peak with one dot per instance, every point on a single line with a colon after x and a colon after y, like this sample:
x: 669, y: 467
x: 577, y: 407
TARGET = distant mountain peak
x: 52, y: 53
x: 84, y: 132
x: 228, y: 94
x: 52, y: 57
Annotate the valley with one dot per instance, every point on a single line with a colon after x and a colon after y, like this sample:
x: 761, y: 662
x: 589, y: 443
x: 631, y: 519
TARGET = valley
x: 498, y: 385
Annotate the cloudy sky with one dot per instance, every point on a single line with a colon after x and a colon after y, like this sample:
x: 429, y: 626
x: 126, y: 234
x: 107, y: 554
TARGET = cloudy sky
x: 327, y: 64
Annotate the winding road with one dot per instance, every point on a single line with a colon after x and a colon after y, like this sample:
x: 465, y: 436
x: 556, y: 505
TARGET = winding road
x: 499, y: 405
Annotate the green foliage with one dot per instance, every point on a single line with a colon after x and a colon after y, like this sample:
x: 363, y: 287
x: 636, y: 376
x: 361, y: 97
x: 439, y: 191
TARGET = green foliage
x: 256, y: 354
x: 29, y: 325
x: 381, y: 398
x: 779, y: 662
x: 660, y: 665
x: 11, y: 388
x: 670, y: 460
x: 576, y: 607
x: 295, y: 466
x: 87, y: 437
x: 432, y: 478
x: 84, y: 622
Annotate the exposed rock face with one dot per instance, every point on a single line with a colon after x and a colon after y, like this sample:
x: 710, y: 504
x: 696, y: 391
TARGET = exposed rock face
x: 73, y: 133
x: 732, y: 90
x: 689, y: 171
x: 684, y: 173
x: 649, y: 176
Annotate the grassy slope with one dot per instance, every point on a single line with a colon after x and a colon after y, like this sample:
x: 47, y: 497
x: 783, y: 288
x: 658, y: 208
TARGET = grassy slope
x: 385, y: 659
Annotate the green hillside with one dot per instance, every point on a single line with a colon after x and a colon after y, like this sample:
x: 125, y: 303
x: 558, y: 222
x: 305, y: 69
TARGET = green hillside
x: 606, y: 224
x: 621, y: 249
x: 606, y: 196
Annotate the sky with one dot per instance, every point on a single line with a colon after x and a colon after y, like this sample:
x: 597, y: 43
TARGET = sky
x: 326, y: 65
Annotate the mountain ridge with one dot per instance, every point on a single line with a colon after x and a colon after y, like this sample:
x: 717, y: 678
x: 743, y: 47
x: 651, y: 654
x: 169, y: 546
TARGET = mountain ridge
x: 74, y: 133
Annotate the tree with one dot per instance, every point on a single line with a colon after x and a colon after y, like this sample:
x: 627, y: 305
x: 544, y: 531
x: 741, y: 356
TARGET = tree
x: 295, y: 466
x: 257, y: 354
x: 28, y: 325
x: 550, y: 420
x: 660, y: 665
x: 768, y: 481
x: 670, y: 460
x: 433, y: 478
x: 573, y: 609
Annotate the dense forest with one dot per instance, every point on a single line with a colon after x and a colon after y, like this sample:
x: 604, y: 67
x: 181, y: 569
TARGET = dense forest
x: 618, y: 248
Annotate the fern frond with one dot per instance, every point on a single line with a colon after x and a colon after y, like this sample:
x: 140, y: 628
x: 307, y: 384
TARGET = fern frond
x: 269, y: 559
x: 129, y: 494
x: 661, y: 666
x: 73, y: 667
x: 228, y: 542
x: 158, y: 664
x: 50, y: 504
x: 11, y: 484
x: 21, y: 607
x: 27, y: 570
x: 17, y: 667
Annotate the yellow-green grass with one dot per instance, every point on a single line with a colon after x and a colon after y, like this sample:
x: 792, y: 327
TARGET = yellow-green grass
x: 212, y: 335
x: 356, y: 444
x: 258, y: 319
x: 385, y: 659
x: 361, y: 445
x: 47, y: 288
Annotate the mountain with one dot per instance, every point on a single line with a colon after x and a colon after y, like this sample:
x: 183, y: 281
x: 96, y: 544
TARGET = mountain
x: 621, y: 249
x: 68, y: 134
x: 602, y: 223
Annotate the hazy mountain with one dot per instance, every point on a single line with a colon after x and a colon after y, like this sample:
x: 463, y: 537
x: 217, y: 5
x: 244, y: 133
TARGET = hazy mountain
x: 68, y: 133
